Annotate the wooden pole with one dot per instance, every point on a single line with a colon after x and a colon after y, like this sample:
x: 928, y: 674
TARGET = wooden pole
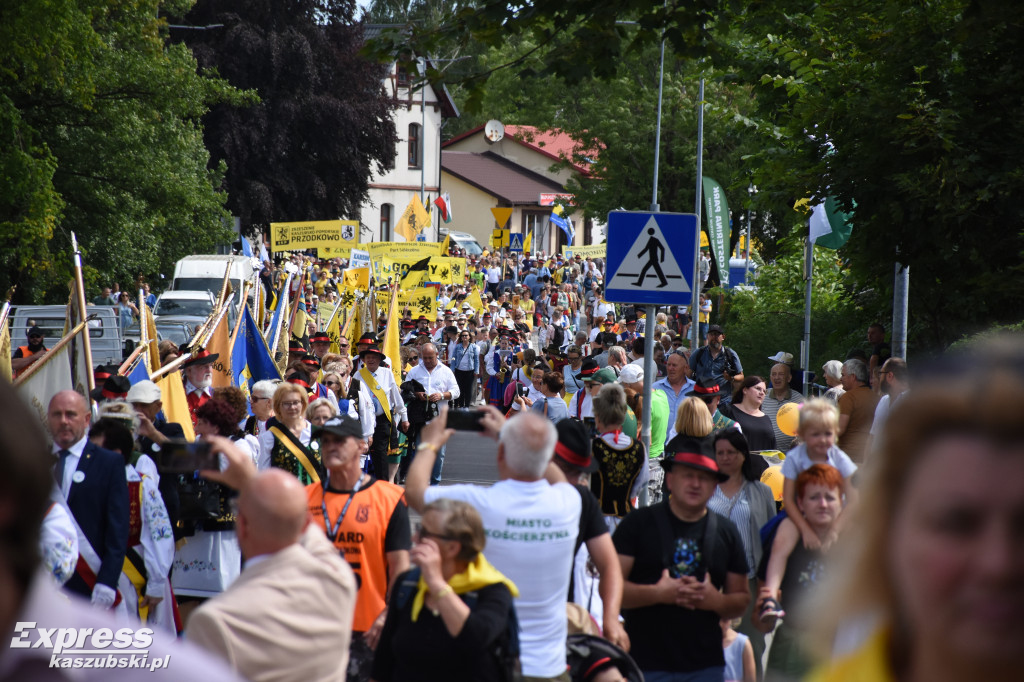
x: 131, y: 358
x: 80, y: 287
x: 175, y: 364
x: 238, y: 322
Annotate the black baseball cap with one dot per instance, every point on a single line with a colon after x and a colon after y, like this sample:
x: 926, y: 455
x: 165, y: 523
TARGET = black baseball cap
x: 342, y: 426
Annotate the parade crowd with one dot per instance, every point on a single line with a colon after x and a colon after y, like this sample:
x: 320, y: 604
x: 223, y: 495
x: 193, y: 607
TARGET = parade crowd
x: 870, y: 531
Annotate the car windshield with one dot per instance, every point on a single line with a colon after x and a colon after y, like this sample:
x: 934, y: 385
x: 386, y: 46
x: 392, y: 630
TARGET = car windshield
x: 177, y: 333
x: 186, y: 307
x: 471, y: 247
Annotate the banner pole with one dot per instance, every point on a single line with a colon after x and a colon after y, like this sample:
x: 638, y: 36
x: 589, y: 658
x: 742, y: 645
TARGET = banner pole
x: 80, y: 288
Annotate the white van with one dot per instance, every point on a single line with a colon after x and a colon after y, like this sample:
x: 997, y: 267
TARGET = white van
x: 104, y: 335
x: 206, y: 273
x: 463, y: 240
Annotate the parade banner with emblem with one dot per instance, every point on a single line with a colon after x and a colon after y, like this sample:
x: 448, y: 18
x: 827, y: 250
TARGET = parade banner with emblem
x: 311, y: 234
x: 250, y: 357
x: 594, y: 251
x: 356, y: 278
x: 413, y: 219
x: 404, y: 250
x: 447, y: 270
x: 359, y: 259
x: 419, y: 301
x: 349, y: 238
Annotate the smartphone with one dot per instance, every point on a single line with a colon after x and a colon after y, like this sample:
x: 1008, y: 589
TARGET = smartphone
x: 465, y: 420
x: 181, y: 456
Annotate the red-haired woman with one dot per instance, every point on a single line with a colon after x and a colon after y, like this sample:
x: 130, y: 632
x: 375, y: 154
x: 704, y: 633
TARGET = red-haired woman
x: 788, y: 570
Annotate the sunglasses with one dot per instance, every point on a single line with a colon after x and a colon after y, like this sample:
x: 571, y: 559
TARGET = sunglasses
x: 422, y: 533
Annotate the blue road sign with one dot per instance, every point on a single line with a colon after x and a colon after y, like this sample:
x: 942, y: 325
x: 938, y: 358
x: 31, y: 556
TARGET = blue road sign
x: 650, y: 257
x: 515, y: 242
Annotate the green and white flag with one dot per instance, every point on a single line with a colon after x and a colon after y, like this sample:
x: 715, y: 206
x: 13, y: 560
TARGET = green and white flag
x: 829, y: 226
x: 717, y: 210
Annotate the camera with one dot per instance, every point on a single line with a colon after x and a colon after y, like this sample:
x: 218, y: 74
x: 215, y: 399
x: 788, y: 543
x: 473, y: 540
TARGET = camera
x: 465, y: 420
x: 522, y: 391
x: 182, y: 456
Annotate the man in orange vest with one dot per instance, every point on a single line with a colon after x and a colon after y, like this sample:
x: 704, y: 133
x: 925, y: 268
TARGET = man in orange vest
x: 24, y: 356
x: 368, y: 522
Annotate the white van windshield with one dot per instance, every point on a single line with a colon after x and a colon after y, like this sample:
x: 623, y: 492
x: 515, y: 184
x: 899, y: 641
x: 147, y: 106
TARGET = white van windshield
x: 186, y: 307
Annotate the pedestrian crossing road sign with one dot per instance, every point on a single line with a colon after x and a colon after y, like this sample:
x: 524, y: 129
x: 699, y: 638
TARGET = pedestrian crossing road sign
x: 515, y: 242
x: 651, y: 257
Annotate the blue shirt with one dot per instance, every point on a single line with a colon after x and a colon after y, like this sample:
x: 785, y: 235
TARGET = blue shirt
x: 706, y: 367
x: 556, y: 410
x: 673, y: 398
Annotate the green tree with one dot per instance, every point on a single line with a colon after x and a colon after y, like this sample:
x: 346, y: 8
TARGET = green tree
x: 323, y: 124
x: 102, y: 124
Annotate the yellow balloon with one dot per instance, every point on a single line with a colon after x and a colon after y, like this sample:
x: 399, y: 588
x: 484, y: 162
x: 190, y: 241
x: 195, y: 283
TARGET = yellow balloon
x: 788, y: 418
x: 773, y: 478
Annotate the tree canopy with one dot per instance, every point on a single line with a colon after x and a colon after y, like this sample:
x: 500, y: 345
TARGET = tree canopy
x: 323, y: 124
x: 101, y: 128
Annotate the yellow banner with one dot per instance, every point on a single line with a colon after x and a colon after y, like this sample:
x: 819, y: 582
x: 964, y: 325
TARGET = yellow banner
x: 413, y: 219
x: 356, y: 278
x: 349, y: 238
x: 404, y: 250
x: 594, y: 251
x: 499, y: 238
x: 446, y: 270
x: 474, y: 300
x: 420, y: 301
x: 311, y: 234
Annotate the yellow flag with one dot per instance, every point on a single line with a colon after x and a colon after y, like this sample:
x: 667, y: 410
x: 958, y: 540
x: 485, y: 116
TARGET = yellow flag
x: 413, y: 220
x: 474, y: 300
x: 356, y: 278
x: 393, y: 341
x: 528, y: 242
x: 172, y: 392
x: 220, y: 343
x: 446, y: 244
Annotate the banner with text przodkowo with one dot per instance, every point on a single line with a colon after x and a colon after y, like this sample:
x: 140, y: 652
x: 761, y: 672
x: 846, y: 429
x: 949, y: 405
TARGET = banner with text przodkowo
x: 717, y: 210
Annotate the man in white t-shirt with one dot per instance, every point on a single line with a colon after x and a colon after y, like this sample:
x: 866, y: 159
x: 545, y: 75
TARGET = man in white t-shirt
x: 531, y: 517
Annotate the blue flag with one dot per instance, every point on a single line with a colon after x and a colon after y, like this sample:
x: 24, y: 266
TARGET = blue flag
x: 138, y: 373
x: 246, y: 247
x: 564, y: 224
x: 250, y: 357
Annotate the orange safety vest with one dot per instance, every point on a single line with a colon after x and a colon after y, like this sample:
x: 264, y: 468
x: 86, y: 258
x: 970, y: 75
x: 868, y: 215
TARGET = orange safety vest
x: 360, y: 540
x: 25, y: 353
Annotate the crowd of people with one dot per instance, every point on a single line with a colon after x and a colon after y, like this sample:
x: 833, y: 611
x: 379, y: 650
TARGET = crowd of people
x: 726, y: 533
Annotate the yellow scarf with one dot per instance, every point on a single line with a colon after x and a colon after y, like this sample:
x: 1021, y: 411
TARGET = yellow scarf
x: 870, y: 663
x: 480, y: 573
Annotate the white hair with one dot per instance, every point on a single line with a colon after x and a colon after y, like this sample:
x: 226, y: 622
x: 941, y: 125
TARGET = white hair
x: 318, y: 403
x: 263, y: 389
x: 529, y: 442
x: 833, y: 369
x: 617, y: 352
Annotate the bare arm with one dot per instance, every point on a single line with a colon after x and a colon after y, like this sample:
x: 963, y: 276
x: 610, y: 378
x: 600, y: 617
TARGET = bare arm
x: 635, y: 595
x: 602, y: 551
x: 783, y: 545
x: 749, y: 669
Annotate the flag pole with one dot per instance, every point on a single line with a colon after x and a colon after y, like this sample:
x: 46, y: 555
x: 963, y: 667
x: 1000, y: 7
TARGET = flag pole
x: 31, y: 369
x: 175, y: 364
x: 131, y: 358
x: 238, y: 322
x: 80, y: 288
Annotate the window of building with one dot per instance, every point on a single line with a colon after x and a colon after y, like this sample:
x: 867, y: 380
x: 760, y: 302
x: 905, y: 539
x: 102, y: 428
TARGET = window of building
x: 402, y: 76
x: 385, y: 222
x: 415, y: 145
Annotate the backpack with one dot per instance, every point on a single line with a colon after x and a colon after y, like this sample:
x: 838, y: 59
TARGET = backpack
x: 506, y: 649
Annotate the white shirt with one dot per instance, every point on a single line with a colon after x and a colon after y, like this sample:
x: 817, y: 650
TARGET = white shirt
x: 529, y: 525
x: 70, y: 464
x: 438, y: 380
x: 493, y: 274
x: 387, y: 383
x: 587, y: 407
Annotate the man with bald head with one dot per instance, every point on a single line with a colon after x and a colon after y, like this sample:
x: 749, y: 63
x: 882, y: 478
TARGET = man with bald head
x: 531, y: 517
x: 288, y: 616
x: 778, y: 395
x: 91, y: 483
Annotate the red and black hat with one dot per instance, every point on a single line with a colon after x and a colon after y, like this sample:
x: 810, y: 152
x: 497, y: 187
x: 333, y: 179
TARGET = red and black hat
x: 311, y: 361
x: 408, y: 324
x: 320, y: 337
x: 369, y: 338
x: 692, y: 452
x: 423, y: 318
x: 103, y: 371
x: 201, y: 357
x: 707, y: 388
x: 297, y: 347
x: 115, y: 387
x: 372, y: 350
x: 588, y: 369
x: 573, y: 445
x: 299, y: 379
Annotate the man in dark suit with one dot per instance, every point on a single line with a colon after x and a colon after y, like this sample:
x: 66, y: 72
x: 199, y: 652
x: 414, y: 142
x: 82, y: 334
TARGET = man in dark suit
x: 92, y: 481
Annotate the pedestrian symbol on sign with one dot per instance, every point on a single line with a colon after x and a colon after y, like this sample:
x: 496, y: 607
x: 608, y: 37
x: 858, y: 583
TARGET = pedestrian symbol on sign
x: 649, y: 257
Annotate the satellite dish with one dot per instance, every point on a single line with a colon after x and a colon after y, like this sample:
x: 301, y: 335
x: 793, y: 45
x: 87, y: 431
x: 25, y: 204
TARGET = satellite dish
x: 494, y: 130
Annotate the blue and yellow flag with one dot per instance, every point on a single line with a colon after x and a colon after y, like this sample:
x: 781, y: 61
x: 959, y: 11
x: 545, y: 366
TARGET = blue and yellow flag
x: 250, y: 356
